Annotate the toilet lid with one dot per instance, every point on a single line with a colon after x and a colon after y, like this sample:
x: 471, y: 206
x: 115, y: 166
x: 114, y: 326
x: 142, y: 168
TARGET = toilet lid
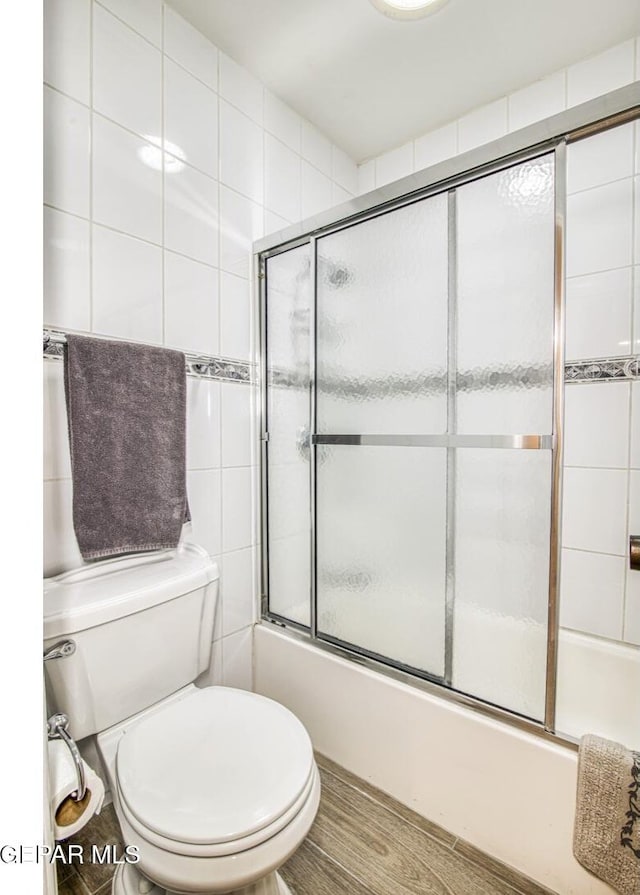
x: 213, y: 767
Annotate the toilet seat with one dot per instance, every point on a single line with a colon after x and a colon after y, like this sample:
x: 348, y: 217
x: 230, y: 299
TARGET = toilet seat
x: 215, y: 773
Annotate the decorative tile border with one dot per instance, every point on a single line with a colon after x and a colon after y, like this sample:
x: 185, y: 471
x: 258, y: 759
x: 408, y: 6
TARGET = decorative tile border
x: 219, y: 368
x: 201, y: 366
x: 603, y: 369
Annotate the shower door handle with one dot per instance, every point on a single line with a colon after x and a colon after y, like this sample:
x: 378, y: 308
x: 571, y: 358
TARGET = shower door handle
x: 634, y: 552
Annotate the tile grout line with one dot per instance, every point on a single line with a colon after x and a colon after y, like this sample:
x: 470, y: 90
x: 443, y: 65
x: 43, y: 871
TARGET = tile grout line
x: 91, y: 165
x: 400, y: 817
x: 189, y: 164
x: 453, y: 847
x: 163, y: 140
x: 336, y: 863
x: 219, y: 413
x: 142, y: 239
x: 127, y: 25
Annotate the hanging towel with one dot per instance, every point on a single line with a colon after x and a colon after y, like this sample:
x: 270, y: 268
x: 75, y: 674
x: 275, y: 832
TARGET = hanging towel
x: 606, y: 835
x: 126, y: 409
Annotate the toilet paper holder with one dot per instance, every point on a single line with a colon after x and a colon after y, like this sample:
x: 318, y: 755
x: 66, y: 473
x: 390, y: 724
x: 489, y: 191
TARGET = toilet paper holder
x: 58, y: 729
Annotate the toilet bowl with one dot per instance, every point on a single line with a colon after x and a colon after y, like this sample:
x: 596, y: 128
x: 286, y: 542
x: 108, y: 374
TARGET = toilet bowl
x: 214, y: 788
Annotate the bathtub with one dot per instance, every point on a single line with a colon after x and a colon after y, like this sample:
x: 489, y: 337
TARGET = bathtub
x: 506, y: 791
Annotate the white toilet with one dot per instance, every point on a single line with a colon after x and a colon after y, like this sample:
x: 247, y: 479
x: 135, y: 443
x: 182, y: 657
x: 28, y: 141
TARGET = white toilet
x: 215, y: 787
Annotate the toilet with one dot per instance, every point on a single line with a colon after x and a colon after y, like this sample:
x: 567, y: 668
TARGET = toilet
x: 215, y: 787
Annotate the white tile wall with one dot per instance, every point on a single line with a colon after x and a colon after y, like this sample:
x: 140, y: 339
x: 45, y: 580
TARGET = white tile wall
x: 592, y: 589
x: 57, y: 462
x: 163, y: 256
x: 203, y: 424
x: 366, y: 177
x: 598, y: 314
x: 191, y: 118
x: 190, y: 49
x: 635, y: 335
x: 482, y: 125
x: 237, y: 576
x: 282, y: 179
x: 66, y: 153
x: 635, y: 426
x: 599, y: 595
x: 126, y: 286
x: 316, y: 149
x: 558, y: 91
x: 281, y: 121
x: 537, y: 101
x: 205, y: 503
x: 127, y: 193
x: 602, y: 73
x: 66, y: 269
x: 191, y: 215
x: 632, y: 601
x: 316, y: 191
x: 236, y: 508
x: 343, y: 170
x: 273, y: 222
x: 339, y: 195
x: 236, y: 426
x: 436, y: 146
x: 597, y: 424
x: 126, y: 75
x: 241, y: 153
x: 394, y: 164
x: 241, y: 223
x: 235, y: 316
x: 237, y: 658
x: 66, y: 46
x: 599, y: 228
x: 605, y: 157
x: 191, y: 305
x: 241, y: 89
x: 595, y: 510
x: 144, y: 16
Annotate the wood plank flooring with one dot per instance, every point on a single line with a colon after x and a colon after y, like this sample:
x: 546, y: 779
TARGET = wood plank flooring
x: 363, y: 842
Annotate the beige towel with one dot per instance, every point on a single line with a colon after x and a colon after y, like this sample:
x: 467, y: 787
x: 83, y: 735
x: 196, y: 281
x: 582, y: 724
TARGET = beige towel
x: 606, y: 835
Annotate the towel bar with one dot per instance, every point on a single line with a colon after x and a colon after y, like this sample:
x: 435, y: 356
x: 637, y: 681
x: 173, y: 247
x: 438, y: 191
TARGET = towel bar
x: 202, y: 366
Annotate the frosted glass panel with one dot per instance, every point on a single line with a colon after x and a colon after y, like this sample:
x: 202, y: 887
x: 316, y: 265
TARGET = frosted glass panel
x: 382, y: 324
x: 288, y: 378
x: 502, y: 531
x: 505, y: 264
x: 381, y: 551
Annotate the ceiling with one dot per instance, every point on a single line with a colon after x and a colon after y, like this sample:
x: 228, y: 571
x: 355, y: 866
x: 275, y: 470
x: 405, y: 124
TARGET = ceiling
x: 371, y: 83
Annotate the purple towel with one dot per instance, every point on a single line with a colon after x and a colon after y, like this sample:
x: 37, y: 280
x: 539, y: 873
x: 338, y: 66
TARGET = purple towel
x: 126, y: 408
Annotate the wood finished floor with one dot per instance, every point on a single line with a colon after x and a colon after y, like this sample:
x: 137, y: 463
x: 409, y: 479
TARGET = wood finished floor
x: 363, y: 842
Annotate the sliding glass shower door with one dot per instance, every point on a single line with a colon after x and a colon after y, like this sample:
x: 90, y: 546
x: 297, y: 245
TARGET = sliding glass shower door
x: 382, y: 290
x: 409, y: 363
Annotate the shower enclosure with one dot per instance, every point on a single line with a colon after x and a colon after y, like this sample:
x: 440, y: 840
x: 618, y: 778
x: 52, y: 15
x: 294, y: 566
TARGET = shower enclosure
x: 413, y: 375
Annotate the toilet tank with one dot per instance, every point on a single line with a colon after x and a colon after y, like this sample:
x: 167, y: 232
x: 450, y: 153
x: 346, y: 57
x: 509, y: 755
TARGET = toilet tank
x: 142, y: 628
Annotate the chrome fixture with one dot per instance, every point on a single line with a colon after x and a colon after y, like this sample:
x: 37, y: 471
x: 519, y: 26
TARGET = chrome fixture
x: 60, y: 650
x: 634, y: 552
x: 58, y: 729
x: 202, y: 366
x: 552, y: 135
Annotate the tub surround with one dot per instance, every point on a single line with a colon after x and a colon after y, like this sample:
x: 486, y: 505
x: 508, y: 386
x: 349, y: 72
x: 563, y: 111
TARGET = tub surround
x: 509, y: 793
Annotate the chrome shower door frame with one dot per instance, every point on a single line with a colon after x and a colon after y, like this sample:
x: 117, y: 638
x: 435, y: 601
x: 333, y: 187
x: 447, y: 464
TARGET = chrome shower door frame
x: 550, y: 136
